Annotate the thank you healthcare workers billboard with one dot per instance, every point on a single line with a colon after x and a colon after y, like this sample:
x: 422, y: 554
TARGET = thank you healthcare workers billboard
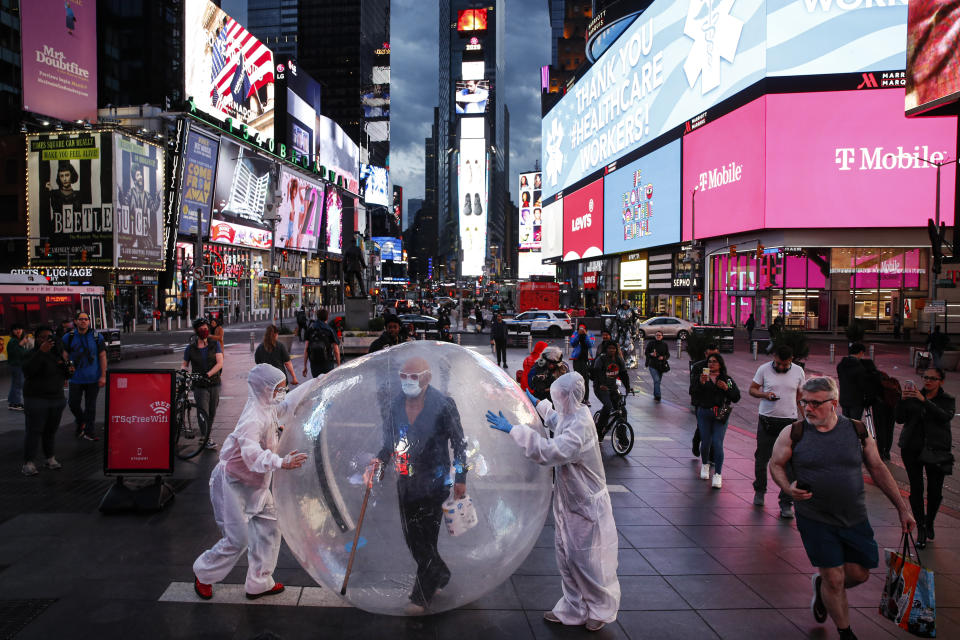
x: 140, y: 422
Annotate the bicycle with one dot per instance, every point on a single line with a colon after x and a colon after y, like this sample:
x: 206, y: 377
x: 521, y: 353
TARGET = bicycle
x: 621, y: 432
x: 192, y: 436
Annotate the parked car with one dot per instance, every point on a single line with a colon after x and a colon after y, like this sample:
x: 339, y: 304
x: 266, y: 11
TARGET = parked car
x: 427, y: 325
x: 554, y: 323
x: 670, y: 326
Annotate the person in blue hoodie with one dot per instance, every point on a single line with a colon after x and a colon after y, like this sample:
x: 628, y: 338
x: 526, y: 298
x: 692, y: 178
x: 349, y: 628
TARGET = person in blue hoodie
x: 582, y: 354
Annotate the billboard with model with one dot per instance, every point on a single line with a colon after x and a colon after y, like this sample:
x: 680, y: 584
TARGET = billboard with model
x: 138, y: 203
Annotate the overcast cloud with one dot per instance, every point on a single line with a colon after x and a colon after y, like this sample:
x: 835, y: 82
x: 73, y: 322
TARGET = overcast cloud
x: 414, y: 58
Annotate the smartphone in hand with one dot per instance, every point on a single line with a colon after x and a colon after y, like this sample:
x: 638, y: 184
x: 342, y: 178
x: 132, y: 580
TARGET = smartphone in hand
x: 804, y: 486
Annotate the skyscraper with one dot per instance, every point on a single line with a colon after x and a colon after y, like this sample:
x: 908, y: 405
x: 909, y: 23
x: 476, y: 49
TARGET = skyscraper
x: 274, y: 22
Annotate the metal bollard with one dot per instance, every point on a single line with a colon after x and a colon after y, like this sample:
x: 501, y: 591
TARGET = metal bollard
x: 530, y: 342
x: 679, y: 347
x: 252, y: 340
x: 169, y: 323
x: 913, y: 356
x: 155, y: 327
x: 179, y: 321
x: 458, y: 338
x: 871, y: 351
x: 833, y: 353
x: 755, y: 348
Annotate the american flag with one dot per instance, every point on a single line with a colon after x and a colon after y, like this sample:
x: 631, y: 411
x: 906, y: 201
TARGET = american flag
x: 242, y: 65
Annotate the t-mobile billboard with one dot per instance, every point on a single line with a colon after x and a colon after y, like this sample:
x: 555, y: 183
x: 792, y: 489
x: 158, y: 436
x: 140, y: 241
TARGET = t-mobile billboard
x: 583, y: 222
x: 851, y: 158
x: 59, y: 40
x: 723, y: 161
x: 641, y: 202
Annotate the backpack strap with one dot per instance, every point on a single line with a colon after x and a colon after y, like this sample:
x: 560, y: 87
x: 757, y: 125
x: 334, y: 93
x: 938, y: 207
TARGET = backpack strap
x: 796, y: 432
x: 861, y: 428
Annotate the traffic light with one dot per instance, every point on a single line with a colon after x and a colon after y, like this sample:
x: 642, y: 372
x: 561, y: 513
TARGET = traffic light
x: 46, y: 249
x: 936, y: 243
x: 733, y: 252
x: 759, y: 252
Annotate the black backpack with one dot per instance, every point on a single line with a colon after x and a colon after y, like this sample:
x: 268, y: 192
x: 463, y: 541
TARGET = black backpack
x: 320, y: 341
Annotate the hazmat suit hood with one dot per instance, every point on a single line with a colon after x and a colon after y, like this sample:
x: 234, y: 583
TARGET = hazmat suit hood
x: 261, y: 381
x: 567, y: 393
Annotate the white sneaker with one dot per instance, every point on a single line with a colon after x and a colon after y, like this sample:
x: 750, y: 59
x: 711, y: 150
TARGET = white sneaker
x: 704, y: 472
x: 29, y: 469
x: 52, y: 463
x: 717, y: 481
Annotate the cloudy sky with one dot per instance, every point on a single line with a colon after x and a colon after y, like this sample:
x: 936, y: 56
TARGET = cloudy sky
x: 414, y: 59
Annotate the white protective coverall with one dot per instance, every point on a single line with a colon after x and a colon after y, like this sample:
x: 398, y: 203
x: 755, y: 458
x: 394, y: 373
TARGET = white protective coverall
x: 240, y: 485
x: 586, y: 535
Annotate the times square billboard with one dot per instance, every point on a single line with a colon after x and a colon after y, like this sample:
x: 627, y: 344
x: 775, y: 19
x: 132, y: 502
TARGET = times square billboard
x: 676, y: 60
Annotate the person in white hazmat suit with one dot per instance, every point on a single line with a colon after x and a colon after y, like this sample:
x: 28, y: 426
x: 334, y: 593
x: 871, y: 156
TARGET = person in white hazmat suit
x: 240, y: 487
x: 586, y: 535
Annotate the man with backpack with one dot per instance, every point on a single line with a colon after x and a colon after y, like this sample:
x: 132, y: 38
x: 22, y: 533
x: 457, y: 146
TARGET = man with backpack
x: 301, y: 322
x: 87, y: 350
x: 826, y: 453
x: 323, y: 346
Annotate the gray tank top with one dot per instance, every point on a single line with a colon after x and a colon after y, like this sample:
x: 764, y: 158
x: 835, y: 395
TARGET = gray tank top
x: 831, y: 463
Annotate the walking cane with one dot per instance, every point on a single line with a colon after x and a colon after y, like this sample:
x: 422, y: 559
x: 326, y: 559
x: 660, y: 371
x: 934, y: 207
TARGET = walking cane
x: 356, y: 537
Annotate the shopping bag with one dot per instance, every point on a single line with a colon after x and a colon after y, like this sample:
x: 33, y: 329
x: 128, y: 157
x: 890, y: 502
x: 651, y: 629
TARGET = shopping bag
x: 459, y: 515
x: 908, y: 594
x: 868, y: 422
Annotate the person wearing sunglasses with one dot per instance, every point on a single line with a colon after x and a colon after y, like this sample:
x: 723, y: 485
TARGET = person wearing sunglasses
x: 925, y: 444
x: 827, y: 453
x: 420, y: 428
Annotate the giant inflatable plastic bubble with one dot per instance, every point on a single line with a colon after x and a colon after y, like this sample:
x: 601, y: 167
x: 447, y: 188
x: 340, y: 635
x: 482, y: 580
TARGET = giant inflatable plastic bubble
x: 405, y: 554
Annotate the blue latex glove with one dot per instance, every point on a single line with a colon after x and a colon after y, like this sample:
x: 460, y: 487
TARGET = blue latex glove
x: 534, y: 399
x: 497, y: 421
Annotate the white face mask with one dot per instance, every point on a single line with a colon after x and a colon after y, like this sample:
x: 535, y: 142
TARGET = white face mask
x: 280, y: 395
x: 411, y: 388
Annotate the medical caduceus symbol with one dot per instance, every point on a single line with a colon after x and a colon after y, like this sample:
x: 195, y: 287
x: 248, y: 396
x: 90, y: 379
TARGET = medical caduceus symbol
x: 554, y: 156
x: 715, y: 34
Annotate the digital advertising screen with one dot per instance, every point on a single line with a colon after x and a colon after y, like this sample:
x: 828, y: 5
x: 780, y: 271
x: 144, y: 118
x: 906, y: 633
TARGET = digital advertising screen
x: 336, y: 151
x: 473, y: 128
x: 333, y: 220
x: 633, y: 275
x: 199, y: 171
x: 529, y: 263
x: 138, y: 203
x: 301, y: 212
x: 472, y: 70
x: 70, y: 198
x: 472, y: 183
x: 225, y: 232
x: 376, y: 101
x: 390, y: 248
x: 59, y: 62
x: 375, y: 184
x: 246, y: 185
x: 642, y: 202
x: 583, y: 222
x: 139, y: 431
x: 552, y: 232
x: 851, y: 158
x: 228, y: 72
x: 933, y: 54
x: 531, y: 212
x: 472, y: 96
x: 471, y: 20
x: 398, y: 205
x: 304, y: 97
x: 724, y: 162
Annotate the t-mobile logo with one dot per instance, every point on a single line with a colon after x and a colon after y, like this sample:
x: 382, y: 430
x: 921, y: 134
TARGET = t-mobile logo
x: 720, y: 176
x: 878, y: 158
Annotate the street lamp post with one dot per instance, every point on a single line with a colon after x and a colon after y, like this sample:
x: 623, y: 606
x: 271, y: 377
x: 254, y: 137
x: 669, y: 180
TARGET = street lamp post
x: 936, y: 213
x: 693, y: 245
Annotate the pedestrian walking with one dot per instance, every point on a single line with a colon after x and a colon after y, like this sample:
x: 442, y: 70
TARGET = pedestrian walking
x: 883, y: 413
x: 205, y: 357
x: 586, y: 535
x: 827, y: 453
x: 582, y: 355
x: 216, y: 334
x: 925, y: 444
x: 243, y: 504
x: 498, y: 338
x: 657, y: 354
x: 390, y: 335
x: 695, y: 370
x: 778, y: 384
x: 236, y: 312
x: 775, y: 330
x: 937, y: 343
x: 713, y: 393
x: 301, y: 323
x: 271, y: 351
x: 750, y: 325
x: 127, y: 321
x: 607, y: 368
x: 86, y: 350
x: 479, y: 318
x: 852, y: 378
x: 322, y: 352
x: 18, y: 346
x: 45, y: 372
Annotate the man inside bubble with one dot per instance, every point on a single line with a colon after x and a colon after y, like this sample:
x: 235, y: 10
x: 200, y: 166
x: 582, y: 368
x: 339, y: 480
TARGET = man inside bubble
x: 420, y: 427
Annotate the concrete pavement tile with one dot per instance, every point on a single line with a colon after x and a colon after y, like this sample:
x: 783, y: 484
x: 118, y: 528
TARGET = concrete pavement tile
x: 615, y: 474
x: 639, y: 516
x: 747, y: 516
x: 751, y: 560
x: 690, y: 516
x: 482, y: 625
x: 627, y: 499
x: 797, y: 558
x: 546, y: 537
x: 710, y: 536
x: 774, y: 538
x: 652, y: 537
x: 782, y: 590
x: 224, y: 593
x: 750, y: 624
x: 542, y: 561
x: 360, y: 625
x: 657, y: 499
x: 947, y: 589
x: 313, y: 621
x: 542, y: 629
x: 631, y: 562
x: 716, y: 592
x: 538, y: 593
x: 664, y: 625
x: 320, y: 597
x: 649, y: 593
x: 640, y: 486
x: 678, y: 561
x: 867, y: 626
x: 502, y: 597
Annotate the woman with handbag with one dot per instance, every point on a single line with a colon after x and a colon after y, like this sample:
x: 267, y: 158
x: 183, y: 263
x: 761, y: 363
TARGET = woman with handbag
x: 713, y: 392
x: 657, y: 354
x: 925, y: 444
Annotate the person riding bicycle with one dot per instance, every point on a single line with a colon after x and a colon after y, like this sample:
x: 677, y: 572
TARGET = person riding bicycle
x: 205, y: 357
x: 607, y: 367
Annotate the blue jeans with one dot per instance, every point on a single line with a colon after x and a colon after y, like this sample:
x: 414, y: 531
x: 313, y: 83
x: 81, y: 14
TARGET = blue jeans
x: 83, y: 405
x: 15, y: 397
x: 655, y: 375
x: 712, y: 432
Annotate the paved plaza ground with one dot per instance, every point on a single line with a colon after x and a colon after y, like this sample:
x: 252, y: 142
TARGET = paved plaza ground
x: 694, y: 562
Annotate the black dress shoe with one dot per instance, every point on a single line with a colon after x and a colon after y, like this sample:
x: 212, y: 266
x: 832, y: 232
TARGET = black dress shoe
x: 921, y: 537
x: 929, y: 530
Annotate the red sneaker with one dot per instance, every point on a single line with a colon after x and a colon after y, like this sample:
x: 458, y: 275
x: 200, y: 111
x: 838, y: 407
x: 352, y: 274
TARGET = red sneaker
x: 205, y: 591
x: 277, y: 588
